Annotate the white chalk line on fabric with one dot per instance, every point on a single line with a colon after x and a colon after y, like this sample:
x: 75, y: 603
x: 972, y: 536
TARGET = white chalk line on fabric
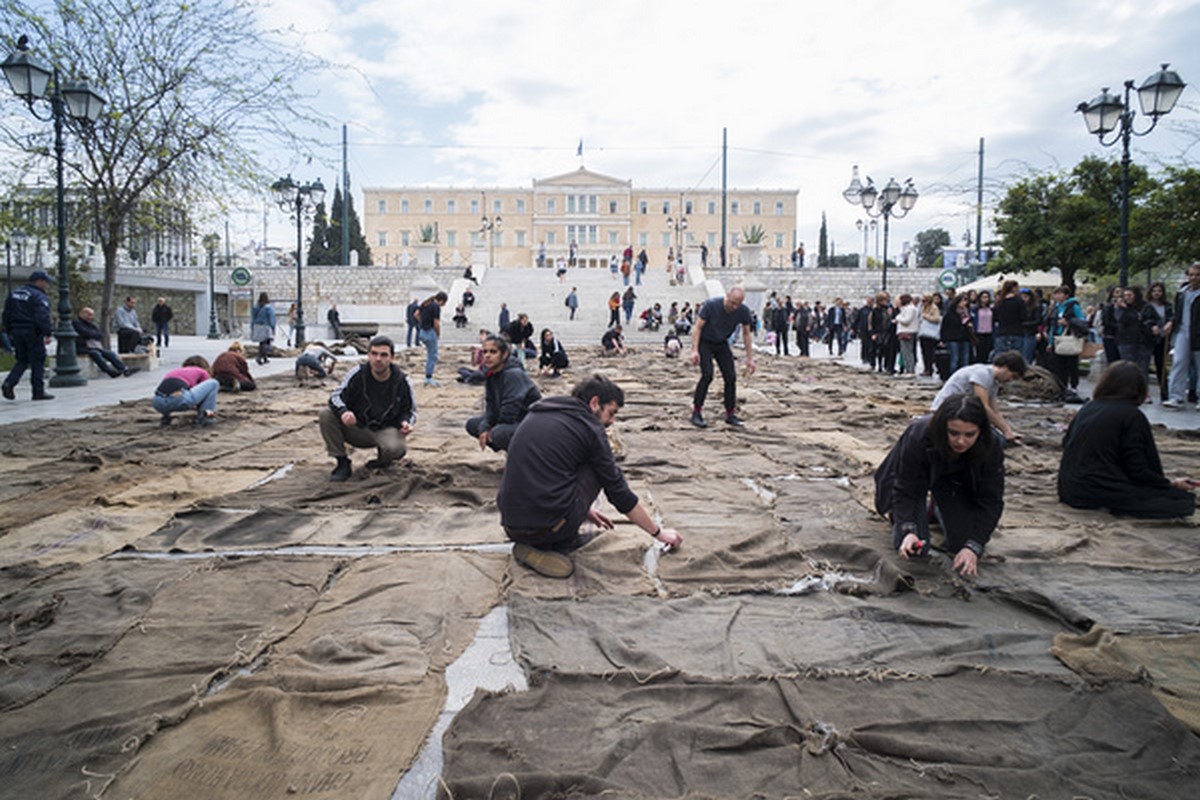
x: 320, y: 550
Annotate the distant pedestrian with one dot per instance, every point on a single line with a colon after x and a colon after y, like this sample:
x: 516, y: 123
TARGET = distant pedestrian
x: 572, y: 301
x: 614, y: 309
x: 504, y: 317
x: 28, y: 325
x: 262, y: 326
x: 161, y: 316
x: 292, y: 317
x: 627, y: 302
x: 430, y: 314
x: 334, y: 318
x: 411, y: 319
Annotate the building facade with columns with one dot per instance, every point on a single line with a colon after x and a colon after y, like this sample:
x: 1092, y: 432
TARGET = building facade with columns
x: 601, y: 215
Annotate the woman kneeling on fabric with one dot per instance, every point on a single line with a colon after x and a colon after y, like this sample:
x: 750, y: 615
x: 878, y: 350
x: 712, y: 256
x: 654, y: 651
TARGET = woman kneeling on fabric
x: 1109, y: 457
x: 953, y: 455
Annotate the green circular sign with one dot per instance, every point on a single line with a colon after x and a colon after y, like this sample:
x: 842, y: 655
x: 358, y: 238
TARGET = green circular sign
x: 948, y: 279
x: 240, y: 276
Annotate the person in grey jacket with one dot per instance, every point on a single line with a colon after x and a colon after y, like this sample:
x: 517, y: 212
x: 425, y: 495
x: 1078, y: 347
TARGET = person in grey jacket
x: 508, y: 394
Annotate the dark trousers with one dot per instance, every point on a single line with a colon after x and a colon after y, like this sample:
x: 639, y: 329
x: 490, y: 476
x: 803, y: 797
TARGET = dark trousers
x: 128, y: 339
x: 563, y: 535
x: 501, y: 434
x: 107, y: 360
x: 928, y: 345
x: 781, y: 341
x: 1159, y: 354
x: 724, y: 357
x: 1066, y: 369
x: 802, y: 342
x: 162, y: 334
x: 30, y: 350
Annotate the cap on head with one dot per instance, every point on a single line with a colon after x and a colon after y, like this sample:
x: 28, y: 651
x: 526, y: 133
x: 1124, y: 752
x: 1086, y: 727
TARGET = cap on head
x: 40, y: 275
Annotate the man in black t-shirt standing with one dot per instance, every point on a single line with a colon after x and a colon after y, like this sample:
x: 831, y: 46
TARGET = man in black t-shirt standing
x: 718, y: 318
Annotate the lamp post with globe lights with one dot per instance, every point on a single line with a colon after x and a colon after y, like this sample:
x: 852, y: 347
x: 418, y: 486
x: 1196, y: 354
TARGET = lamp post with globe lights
x: 299, y: 200
x: 30, y: 80
x: 893, y: 201
x: 1106, y: 113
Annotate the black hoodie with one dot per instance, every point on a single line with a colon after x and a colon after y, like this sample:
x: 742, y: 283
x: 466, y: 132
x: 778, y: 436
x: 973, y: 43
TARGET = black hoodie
x: 558, y: 436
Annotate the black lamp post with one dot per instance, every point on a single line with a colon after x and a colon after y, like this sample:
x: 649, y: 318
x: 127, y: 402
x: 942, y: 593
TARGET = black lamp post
x: 300, y: 200
x: 210, y: 243
x: 490, y: 228
x: 31, y: 81
x: 894, y: 201
x: 1106, y: 113
x: 677, y: 226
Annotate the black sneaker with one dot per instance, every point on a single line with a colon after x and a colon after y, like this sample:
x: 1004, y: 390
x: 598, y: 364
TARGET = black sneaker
x: 698, y: 420
x: 8, y: 392
x: 130, y: 370
x: 734, y: 420
x: 43, y: 397
x: 341, y: 472
x: 380, y: 464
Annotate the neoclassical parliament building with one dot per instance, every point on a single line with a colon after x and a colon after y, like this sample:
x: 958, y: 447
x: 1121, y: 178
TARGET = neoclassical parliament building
x: 601, y: 215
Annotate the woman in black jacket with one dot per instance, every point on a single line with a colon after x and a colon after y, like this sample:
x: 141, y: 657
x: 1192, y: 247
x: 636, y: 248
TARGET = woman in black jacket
x: 1109, y: 458
x: 553, y: 358
x: 953, y: 455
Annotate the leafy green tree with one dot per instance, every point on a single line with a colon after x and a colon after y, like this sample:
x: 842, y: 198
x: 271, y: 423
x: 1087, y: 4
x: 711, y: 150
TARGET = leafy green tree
x: 823, y: 244
x: 929, y: 243
x: 1166, y: 232
x: 1067, y: 220
x: 194, y: 90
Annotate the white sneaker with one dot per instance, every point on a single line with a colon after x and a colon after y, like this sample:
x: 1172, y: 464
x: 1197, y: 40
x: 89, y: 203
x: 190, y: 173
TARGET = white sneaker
x: 1172, y: 404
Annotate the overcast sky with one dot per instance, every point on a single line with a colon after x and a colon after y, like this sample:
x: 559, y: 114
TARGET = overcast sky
x: 470, y: 93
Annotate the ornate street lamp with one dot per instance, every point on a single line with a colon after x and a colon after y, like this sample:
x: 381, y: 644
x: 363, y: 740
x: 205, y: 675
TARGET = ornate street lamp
x: 894, y: 201
x: 1106, y: 113
x: 300, y: 201
x: 30, y: 81
x: 678, y: 226
x: 210, y: 243
x: 489, y: 228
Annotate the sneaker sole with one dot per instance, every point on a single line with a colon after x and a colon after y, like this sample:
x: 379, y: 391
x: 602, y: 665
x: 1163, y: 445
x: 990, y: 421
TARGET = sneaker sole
x: 544, y: 562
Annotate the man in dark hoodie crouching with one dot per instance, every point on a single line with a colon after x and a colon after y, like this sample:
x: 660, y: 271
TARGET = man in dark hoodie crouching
x: 558, y: 462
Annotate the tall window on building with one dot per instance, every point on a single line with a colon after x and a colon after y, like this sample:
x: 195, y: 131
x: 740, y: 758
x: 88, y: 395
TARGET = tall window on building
x: 520, y: 238
x: 550, y: 238
x: 428, y: 205
x: 666, y: 239
x: 404, y: 239
x: 497, y: 206
x: 451, y: 207
x: 572, y: 207
x: 758, y: 208
x: 643, y: 207
x: 687, y: 207
x: 779, y: 208
x: 550, y: 205
x: 733, y: 239
x: 520, y: 205
x: 643, y: 239
x: 612, y: 206
x: 779, y: 241
x: 735, y: 207
x: 381, y: 238
x: 382, y: 206
x: 452, y: 238
x: 712, y: 207
x: 712, y: 240
x: 612, y: 238
x: 476, y: 239
x: 404, y: 206
x: 474, y: 208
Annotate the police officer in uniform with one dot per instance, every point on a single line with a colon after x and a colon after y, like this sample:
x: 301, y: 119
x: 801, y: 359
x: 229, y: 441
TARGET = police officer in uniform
x: 28, y: 324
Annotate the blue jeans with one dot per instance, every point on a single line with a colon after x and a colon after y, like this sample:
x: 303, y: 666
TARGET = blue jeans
x: 960, y: 355
x: 429, y: 338
x: 1006, y: 343
x: 162, y: 334
x: 1184, y: 360
x: 202, y: 397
